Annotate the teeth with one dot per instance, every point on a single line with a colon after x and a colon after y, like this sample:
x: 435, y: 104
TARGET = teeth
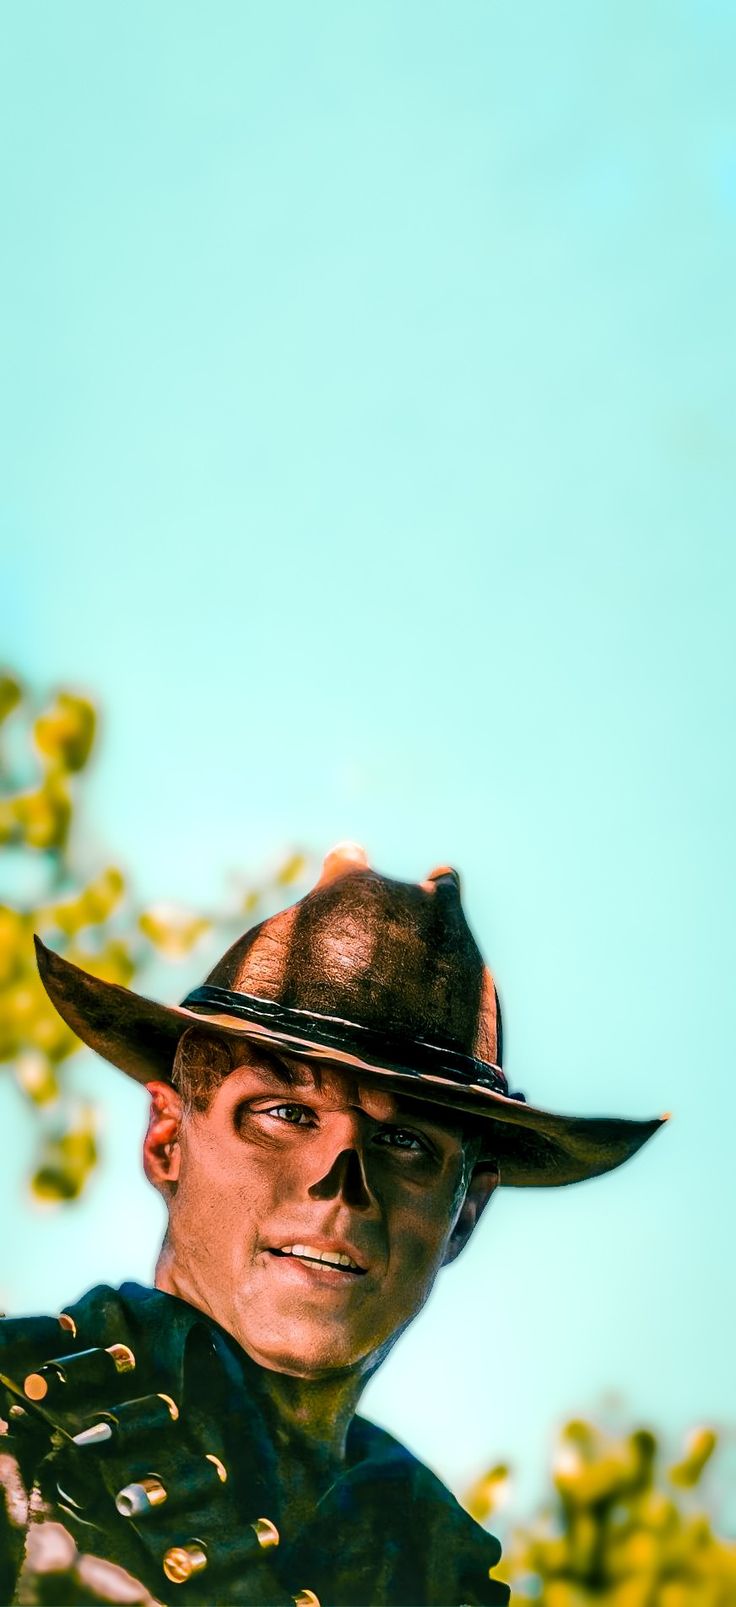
x: 334, y: 1258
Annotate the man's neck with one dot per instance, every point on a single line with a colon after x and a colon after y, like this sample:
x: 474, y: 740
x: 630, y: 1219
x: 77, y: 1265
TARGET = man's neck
x: 311, y: 1416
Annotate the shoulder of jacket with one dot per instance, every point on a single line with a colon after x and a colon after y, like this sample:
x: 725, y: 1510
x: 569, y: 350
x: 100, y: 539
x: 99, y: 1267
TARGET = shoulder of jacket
x: 53, y: 1333
x: 385, y: 1455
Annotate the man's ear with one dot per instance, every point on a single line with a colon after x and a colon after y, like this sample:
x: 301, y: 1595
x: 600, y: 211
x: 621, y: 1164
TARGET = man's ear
x: 484, y: 1179
x: 161, y: 1151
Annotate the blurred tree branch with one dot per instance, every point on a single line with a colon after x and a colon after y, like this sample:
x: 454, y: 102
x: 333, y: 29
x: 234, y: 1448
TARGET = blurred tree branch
x: 45, y: 748
x: 619, y: 1529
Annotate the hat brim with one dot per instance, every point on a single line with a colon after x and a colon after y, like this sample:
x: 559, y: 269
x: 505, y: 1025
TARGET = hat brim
x: 534, y: 1147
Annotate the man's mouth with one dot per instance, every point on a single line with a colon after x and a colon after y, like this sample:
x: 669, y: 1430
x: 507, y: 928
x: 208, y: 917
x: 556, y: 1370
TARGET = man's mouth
x: 336, y: 1261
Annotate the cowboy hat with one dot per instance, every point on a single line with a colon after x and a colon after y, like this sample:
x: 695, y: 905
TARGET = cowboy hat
x: 381, y: 977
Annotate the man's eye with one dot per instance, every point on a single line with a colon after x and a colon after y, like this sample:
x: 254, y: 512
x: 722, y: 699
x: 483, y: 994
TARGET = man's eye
x: 297, y: 1115
x: 401, y: 1138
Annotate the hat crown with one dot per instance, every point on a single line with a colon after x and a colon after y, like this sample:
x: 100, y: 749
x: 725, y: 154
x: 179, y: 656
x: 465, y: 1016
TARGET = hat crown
x: 388, y: 954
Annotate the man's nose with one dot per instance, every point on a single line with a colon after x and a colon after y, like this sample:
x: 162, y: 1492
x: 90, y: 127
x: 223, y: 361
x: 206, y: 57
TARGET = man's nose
x: 345, y: 1178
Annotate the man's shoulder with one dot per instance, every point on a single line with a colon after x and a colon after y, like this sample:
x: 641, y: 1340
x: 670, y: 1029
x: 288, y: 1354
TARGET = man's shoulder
x: 36, y: 1337
x: 99, y: 1308
x: 102, y: 1316
x: 375, y: 1449
x: 430, y: 1515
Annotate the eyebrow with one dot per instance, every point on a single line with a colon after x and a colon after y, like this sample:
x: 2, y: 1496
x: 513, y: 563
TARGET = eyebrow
x: 312, y: 1075
x: 269, y: 1065
x: 271, y: 1069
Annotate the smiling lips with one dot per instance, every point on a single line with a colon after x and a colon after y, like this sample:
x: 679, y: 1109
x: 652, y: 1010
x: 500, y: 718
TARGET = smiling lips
x: 308, y: 1254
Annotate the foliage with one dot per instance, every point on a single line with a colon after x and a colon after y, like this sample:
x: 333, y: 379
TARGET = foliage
x: 92, y: 919
x: 619, y: 1530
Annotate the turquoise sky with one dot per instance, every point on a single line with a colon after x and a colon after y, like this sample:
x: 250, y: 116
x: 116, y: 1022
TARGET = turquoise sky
x: 367, y: 439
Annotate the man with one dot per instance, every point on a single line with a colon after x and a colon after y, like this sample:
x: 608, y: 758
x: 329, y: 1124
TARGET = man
x: 329, y: 1119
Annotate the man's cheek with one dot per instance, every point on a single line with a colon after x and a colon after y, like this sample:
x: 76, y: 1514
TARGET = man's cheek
x: 417, y: 1263
x: 205, y: 1222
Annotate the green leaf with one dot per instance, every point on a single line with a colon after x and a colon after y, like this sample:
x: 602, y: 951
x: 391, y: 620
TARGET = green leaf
x: 10, y: 694
x: 65, y: 732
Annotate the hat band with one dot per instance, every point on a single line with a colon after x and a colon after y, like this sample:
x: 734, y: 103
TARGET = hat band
x: 409, y: 1055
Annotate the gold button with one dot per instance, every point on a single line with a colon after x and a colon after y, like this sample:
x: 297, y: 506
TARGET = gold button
x: 306, y: 1598
x: 180, y: 1562
x: 265, y: 1532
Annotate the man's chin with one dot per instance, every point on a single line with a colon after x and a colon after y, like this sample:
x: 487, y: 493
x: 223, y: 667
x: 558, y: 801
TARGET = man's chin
x: 302, y: 1353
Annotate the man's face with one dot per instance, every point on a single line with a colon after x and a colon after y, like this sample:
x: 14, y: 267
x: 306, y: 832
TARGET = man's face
x: 287, y: 1164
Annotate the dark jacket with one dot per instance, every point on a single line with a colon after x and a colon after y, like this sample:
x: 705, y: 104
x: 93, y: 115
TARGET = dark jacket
x: 387, y: 1532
